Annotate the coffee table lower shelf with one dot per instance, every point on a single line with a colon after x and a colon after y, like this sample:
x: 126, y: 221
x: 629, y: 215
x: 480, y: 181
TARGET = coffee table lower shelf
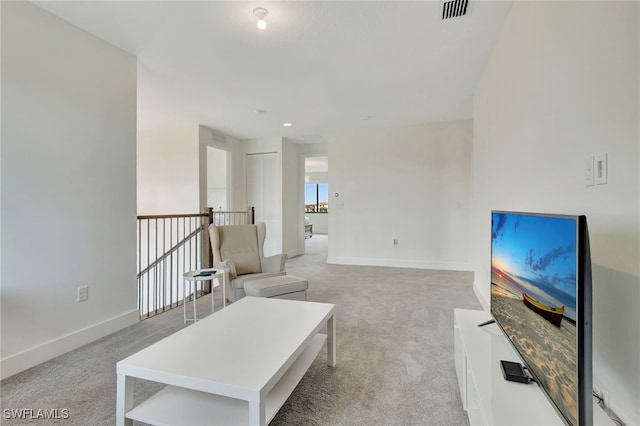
x: 179, y: 406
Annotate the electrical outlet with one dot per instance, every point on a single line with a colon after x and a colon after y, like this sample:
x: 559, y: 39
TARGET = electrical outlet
x: 83, y: 293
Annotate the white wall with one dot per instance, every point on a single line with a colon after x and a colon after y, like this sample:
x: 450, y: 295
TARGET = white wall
x: 168, y: 170
x: 217, y: 179
x: 410, y: 183
x: 290, y: 200
x: 562, y: 85
x: 172, y: 169
x: 317, y: 177
x: 235, y: 171
x: 68, y: 187
x: 320, y: 222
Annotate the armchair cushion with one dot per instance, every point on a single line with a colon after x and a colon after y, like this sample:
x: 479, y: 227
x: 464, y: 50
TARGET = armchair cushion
x: 240, y: 244
x: 239, y: 282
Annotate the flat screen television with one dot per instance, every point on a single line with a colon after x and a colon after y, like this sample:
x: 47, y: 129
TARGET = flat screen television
x: 541, y: 299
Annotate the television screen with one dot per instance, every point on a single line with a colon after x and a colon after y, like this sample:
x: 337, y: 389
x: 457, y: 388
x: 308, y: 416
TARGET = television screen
x: 541, y: 298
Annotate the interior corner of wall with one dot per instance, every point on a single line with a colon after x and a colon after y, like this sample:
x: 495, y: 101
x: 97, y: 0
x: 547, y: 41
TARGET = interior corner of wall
x: 482, y: 298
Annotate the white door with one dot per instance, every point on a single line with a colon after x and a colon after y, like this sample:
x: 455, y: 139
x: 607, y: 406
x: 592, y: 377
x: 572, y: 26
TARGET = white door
x: 265, y: 194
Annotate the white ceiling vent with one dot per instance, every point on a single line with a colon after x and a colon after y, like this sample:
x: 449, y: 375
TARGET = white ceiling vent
x: 454, y: 8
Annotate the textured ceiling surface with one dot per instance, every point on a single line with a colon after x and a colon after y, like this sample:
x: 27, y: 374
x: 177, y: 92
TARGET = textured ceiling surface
x: 321, y: 65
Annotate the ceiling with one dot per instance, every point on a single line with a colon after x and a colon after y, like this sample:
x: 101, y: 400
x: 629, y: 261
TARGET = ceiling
x: 324, y: 66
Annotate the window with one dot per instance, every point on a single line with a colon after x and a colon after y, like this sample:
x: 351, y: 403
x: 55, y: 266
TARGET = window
x: 316, y: 197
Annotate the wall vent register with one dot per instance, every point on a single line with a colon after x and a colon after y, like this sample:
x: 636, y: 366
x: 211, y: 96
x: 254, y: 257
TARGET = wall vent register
x: 454, y: 8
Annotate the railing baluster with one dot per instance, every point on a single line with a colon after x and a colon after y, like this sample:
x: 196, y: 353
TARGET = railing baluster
x: 182, y: 249
x: 177, y: 262
x: 139, y: 301
x: 184, y: 257
x: 155, y: 269
x: 190, y: 260
x: 164, y: 263
x: 192, y: 255
x: 148, y: 308
x: 171, y: 263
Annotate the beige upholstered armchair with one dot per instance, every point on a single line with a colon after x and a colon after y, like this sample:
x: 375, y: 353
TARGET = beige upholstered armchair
x: 238, y: 249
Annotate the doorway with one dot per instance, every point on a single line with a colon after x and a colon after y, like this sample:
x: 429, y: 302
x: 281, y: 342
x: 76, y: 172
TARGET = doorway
x: 316, y: 204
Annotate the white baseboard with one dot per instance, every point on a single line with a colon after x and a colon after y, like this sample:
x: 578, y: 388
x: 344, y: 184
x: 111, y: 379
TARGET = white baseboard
x: 400, y: 263
x: 16, y: 363
x: 294, y: 253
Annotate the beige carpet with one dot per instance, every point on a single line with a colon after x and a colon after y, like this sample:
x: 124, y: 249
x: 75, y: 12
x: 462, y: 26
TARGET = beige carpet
x: 394, y: 353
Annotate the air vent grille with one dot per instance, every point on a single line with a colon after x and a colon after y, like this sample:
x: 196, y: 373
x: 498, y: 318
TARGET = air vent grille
x: 454, y: 8
x: 219, y: 138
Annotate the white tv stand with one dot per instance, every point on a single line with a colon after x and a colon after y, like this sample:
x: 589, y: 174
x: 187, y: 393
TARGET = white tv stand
x: 487, y: 397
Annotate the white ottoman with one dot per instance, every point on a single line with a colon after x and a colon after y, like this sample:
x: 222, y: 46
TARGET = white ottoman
x: 278, y: 287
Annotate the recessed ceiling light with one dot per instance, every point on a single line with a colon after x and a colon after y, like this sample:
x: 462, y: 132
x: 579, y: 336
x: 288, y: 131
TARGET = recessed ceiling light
x: 287, y: 124
x: 259, y: 111
x: 366, y: 117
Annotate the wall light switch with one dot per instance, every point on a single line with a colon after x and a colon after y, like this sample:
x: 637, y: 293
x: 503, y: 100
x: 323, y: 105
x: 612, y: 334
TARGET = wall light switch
x: 600, y: 167
x: 588, y: 171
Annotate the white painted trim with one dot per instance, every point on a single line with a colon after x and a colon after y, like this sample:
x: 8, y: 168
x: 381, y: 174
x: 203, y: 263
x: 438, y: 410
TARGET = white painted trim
x: 14, y: 364
x: 400, y: 263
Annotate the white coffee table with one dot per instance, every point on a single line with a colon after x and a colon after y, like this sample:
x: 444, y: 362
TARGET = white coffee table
x: 237, y: 366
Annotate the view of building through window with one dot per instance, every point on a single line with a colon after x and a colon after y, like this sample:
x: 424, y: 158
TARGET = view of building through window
x: 316, y: 197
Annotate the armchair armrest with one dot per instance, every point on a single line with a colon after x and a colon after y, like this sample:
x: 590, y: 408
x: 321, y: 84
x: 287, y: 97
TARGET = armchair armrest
x: 274, y: 263
x: 229, y: 267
